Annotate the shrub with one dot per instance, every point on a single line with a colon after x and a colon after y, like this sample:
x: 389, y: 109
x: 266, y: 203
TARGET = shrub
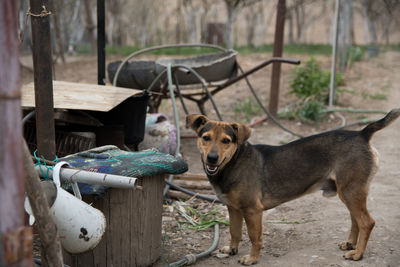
x: 311, y: 86
x: 311, y: 82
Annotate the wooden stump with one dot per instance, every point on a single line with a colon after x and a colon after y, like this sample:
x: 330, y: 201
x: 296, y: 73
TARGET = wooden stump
x: 133, y: 231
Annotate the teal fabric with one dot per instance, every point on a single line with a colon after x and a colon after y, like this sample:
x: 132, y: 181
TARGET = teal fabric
x: 110, y: 159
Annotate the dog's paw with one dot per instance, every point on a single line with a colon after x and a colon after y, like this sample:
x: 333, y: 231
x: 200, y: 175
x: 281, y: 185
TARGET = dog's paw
x: 248, y: 260
x: 229, y: 250
x: 353, y: 255
x: 345, y: 245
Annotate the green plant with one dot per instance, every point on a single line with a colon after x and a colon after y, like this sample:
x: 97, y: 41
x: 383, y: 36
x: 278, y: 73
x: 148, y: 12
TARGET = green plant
x: 203, y: 221
x: 311, y: 110
x: 378, y: 96
x: 311, y: 86
x: 312, y: 82
x: 354, y: 54
x: 247, y: 108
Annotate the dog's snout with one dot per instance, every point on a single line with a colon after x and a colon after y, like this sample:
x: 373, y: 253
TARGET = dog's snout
x: 212, y: 158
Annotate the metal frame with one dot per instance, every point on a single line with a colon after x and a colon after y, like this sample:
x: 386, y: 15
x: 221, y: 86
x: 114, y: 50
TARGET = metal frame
x: 206, y: 94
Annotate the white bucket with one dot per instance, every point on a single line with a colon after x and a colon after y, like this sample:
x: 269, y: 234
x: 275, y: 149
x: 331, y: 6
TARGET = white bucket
x: 80, y: 226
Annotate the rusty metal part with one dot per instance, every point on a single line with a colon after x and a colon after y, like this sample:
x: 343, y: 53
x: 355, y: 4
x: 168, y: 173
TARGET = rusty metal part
x: 43, y: 80
x: 17, y: 244
x: 278, y: 47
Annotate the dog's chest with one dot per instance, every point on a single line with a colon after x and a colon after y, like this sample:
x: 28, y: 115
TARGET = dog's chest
x: 226, y: 198
x: 223, y: 197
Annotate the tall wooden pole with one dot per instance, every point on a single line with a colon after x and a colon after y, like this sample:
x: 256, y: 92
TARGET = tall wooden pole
x: 44, y: 106
x: 276, y: 67
x: 43, y: 78
x: 15, y: 238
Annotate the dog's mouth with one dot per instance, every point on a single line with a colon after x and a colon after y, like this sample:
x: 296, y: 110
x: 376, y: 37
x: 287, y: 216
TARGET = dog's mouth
x: 212, y: 169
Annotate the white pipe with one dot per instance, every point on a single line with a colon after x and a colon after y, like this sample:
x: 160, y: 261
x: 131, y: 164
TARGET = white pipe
x: 93, y: 178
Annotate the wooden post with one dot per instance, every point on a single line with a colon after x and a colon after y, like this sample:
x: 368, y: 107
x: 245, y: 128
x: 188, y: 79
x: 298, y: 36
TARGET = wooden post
x: 43, y: 78
x: 15, y: 238
x: 276, y: 67
x: 101, y: 43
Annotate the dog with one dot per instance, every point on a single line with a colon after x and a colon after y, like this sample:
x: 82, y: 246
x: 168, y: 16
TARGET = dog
x: 252, y: 178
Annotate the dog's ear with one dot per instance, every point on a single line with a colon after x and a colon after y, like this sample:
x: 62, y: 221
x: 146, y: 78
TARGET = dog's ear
x: 196, y: 121
x: 242, y: 132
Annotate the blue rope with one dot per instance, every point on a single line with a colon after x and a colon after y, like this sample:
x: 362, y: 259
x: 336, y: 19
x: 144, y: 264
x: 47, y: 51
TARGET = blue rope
x: 39, y: 163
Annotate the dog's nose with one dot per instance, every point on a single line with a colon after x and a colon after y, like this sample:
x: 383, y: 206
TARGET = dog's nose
x: 212, y: 158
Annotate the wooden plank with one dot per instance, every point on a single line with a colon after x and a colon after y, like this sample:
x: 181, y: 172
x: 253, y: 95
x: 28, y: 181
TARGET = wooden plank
x: 118, y: 246
x: 69, y: 95
x: 191, y: 176
x: 198, y: 184
x: 100, y: 252
x: 157, y: 204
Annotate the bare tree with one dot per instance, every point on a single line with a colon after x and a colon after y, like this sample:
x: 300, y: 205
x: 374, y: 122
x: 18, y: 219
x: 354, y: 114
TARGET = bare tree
x: 90, y: 26
x: 233, y: 7
x: 57, y: 29
x: 207, y: 5
x: 391, y: 12
x: 190, y: 10
x: 300, y: 18
x: 252, y: 16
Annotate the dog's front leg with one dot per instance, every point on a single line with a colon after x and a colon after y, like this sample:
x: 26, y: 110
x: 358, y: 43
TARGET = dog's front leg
x: 253, y: 220
x: 235, y: 227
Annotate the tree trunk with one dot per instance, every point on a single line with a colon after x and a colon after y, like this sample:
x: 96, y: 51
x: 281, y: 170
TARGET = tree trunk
x: 110, y: 30
x: 73, y: 36
x: 290, y: 24
x: 190, y: 13
x: 90, y: 26
x: 229, y: 26
x: 59, y: 41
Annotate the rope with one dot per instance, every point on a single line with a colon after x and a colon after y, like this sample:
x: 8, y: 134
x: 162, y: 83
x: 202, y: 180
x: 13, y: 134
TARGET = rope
x: 42, y: 14
x: 39, y: 163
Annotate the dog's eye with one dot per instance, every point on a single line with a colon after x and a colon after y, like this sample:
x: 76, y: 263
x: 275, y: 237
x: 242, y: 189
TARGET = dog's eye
x: 206, y: 138
x: 226, y: 141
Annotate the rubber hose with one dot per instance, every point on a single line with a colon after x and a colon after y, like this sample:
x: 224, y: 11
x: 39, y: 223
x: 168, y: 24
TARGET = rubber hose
x: 190, y: 258
x: 184, y: 190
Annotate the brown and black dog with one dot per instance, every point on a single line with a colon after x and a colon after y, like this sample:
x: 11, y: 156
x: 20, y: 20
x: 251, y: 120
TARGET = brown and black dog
x: 252, y: 178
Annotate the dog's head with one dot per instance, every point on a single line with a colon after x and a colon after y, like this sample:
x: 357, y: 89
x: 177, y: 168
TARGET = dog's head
x: 217, y: 141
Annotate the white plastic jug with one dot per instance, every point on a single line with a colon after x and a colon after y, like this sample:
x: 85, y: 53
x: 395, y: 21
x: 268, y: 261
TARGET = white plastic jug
x: 80, y: 226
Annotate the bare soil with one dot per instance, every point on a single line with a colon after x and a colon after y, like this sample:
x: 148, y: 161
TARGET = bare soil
x: 306, y: 231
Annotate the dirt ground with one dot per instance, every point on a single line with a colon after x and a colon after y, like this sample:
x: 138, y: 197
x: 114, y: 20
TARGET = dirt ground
x: 306, y: 231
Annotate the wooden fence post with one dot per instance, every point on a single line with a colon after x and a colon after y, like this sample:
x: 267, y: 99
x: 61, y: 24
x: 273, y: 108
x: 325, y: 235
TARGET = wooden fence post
x: 15, y: 238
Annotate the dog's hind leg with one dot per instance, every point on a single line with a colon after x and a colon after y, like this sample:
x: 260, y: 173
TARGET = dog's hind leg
x: 235, y: 228
x: 253, y: 220
x: 355, y: 198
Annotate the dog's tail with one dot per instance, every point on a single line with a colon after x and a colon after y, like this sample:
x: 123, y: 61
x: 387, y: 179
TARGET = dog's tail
x: 371, y: 128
